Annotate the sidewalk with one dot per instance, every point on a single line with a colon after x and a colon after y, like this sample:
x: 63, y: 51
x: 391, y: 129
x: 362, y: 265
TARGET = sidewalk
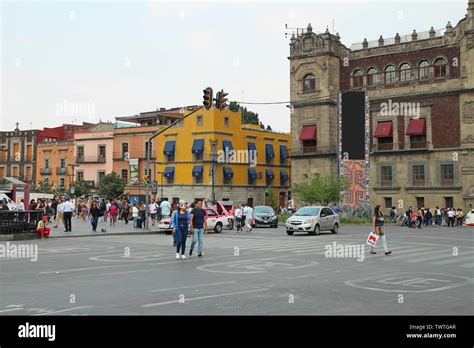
x: 81, y: 228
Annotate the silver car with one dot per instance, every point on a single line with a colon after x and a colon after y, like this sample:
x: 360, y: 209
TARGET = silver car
x: 313, y: 220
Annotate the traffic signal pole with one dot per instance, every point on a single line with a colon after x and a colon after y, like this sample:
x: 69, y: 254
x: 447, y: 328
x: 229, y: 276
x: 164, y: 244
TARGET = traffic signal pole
x: 148, y: 155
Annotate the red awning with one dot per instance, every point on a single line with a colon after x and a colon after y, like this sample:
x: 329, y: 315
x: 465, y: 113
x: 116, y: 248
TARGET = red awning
x: 417, y: 127
x: 308, y: 133
x: 384, y: 130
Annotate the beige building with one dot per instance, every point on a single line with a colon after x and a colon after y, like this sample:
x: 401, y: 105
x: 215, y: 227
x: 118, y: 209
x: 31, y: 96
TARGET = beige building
x: 421, y: 99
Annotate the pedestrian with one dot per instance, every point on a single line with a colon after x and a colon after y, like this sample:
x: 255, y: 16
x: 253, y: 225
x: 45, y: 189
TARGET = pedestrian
x: 21, y: 205
x: 238, y: 217
x: 135, y: 215
x: 159, y: 216
x: 428, y: 217
x: 59, y: 214
x: 113, y: 214
x: 378, y: 226
x: 180, y: 229
x: 198, y: 227
x: 125, y: 211
x: 249, y: 218
x: 244, y: 214
x: 419, y: 217
x: 172, y: 226
x: 43, y: 228
x: 68, y: 208
x: 103, y: 209
x: 94, y: 213
x: 393, y: 214
x: 459, y: 217
x: 451, y: 216
x: 143, y: 216
x: 152, y: 207
x: 438, y: 217
x: 165, y: 208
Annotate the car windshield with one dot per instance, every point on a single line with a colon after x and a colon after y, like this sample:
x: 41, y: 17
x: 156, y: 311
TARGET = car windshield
x: 308, y: 211
x: 264, y: 210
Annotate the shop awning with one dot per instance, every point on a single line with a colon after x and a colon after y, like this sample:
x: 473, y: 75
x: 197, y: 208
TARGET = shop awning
x: 384, y: 130
x: 198, y: 146
x: 416, y: 127
x: 308, y: 133
x: 169, y: 172
x: 197, y: 171
x: 169, y: 148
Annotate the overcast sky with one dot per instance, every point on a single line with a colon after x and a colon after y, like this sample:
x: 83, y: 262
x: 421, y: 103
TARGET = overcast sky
x: 100, y: 60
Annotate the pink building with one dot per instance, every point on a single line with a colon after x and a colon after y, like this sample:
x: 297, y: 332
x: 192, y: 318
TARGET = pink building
x: 93, y: 152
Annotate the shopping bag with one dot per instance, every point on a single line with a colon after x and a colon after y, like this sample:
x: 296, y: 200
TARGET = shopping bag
x: 372, y: 239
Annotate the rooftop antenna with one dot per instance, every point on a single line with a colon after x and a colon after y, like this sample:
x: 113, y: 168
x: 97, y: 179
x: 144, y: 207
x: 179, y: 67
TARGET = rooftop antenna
x: 299, y: 31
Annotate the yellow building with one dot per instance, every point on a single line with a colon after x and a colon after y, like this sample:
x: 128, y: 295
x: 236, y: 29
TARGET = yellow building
x: 54, y: 160
x: 248, y: 160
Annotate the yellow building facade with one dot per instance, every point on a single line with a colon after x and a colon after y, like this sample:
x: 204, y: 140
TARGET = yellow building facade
x: 247, y: 160
x: 54, y: 162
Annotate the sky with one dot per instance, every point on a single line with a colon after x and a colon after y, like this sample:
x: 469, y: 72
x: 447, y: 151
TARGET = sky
x: 69, y: 62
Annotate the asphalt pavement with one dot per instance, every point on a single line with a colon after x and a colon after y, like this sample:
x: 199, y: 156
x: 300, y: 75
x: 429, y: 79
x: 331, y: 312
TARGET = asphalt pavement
x: 264, y: 272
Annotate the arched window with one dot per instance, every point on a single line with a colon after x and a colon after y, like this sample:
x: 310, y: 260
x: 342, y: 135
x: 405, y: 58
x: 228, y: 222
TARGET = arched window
x: 358, y: 78
x: 372, y: 76
x: 440, y: 67
x: 390, y: 74
x: 405, y: 72
x: 425, y: 70
x: 309, y: 83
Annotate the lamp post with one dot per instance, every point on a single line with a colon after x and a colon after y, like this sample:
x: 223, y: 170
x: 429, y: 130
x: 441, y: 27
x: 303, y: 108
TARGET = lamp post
x: 161, y: 173
x: 213, y: 170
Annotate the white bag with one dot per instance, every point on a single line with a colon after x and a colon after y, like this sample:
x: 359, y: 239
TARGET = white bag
x: 372, y: 239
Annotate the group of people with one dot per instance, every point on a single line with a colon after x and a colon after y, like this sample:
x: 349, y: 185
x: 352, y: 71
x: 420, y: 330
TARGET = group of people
x: 415, y: 218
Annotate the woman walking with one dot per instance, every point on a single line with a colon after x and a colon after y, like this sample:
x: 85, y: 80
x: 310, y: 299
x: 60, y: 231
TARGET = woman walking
x: 377, y: 224
x: 94, y: 214
x: 238, y: 217
x: 181, y: 222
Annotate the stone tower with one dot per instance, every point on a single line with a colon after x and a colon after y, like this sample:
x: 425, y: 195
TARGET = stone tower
x: 315, y: 61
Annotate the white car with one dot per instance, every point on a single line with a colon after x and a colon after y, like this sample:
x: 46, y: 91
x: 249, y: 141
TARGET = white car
x: 470, y: 218
x: 164, y: 225
x: 313, y: 220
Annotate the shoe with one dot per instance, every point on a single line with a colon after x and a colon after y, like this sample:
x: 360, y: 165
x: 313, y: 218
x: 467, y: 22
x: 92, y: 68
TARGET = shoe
x: 199, y: 255
x: 190, y: 252
x: 177, y: 255
x: 388, y: 253
x: 183, y: 257
x: 373, y: 252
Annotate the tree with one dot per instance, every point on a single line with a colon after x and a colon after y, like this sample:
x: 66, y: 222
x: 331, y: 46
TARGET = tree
x: 112, y: 186
x: 321, y: 189
x: 81, y: 188
x: 234, y: 106
x: 44, y: 186
x: 271, y: 199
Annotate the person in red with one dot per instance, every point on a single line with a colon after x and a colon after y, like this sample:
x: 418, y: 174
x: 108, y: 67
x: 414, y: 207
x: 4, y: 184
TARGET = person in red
x: 113, y: 214
x: 43, y: 228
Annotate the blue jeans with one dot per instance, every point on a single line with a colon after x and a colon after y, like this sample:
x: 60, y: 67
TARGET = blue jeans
x: 181, y: 236
x: 94, y: 222
x: 199, y: 237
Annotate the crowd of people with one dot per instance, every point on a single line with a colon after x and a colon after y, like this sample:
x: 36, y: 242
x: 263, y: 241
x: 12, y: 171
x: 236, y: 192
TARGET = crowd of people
x: 417, y: 217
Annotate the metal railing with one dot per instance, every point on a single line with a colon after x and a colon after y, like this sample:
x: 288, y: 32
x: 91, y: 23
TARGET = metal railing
x: 12, y: 221
x: 44, y: 171
x: 413, y: 145
x: 61, y: 171
x: 124, y: 156
x: 90, y: 159
x: 306, y: 150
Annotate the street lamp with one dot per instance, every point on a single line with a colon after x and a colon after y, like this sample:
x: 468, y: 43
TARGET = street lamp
x: 161, y: 173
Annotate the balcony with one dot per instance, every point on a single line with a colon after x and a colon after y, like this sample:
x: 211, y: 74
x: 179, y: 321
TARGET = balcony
x: 383, y: 147
x: 401, y: 147
x: 45, y: 171
x: 61, y: 171
x: 90, y: 159
x: 122, y: 156
x: 312, y: 151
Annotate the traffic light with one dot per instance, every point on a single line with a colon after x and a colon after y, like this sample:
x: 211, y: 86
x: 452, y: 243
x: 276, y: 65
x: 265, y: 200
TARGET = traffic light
x: 221, y: 100
x: 207, y: 98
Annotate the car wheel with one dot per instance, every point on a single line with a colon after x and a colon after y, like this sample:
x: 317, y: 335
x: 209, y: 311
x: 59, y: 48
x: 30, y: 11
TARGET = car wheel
x: 317, y: 229
x: 335, y: 228
x: 290, y: 233
x: 218, y: 228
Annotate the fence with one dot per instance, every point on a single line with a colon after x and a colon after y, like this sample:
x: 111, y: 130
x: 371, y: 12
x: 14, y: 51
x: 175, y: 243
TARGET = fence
x: 13, y: 221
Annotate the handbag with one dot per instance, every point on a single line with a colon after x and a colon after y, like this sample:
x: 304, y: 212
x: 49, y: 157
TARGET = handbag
x: 372, y: 239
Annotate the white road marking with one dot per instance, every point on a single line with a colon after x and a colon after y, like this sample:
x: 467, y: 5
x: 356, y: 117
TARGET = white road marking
x: 204, y: 297
x: 62, y: 310
x: 454, y: 260
x: 418, y: 254
x: 303, y: 276
x: 192, y: 286
x: 396, y: 254
x: 11, y: 309
x: 441, y: 256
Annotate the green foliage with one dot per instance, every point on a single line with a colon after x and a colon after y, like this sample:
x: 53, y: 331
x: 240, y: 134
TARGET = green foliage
x: 45, y: 187
x: 81, y: 188
x: 271, y: 198
x: 234, y: 106
x: 321, y: 189
x: 111, y: 186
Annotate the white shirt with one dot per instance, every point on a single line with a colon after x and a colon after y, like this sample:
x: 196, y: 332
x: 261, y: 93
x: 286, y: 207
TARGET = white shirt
x: 450, y: 213
x: 67, y: 207
x: 165, y: 208
x: 249, y: 213
x: 135, y: 212
x: 246, y: 209
x: 152, y: 207
x: 238, y: 212
x: 20, y: 206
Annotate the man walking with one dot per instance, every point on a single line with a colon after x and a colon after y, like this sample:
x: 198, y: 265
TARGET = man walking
x: 60, y: 213
x: 152, y: 207
x: 68, y: 208
x: 249, y: 218
x: 198, y: 224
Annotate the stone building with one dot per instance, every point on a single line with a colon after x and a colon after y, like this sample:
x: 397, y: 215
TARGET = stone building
x: 421, y: 99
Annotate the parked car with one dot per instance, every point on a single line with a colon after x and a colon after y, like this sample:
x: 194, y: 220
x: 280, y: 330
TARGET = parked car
x: 265, y: 216
x: 226, y: 208
x: 216, y: 221
x: 164, y: 225
x: 313, y: 220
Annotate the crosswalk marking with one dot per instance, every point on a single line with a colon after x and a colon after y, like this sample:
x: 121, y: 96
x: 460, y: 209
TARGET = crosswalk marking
x: 468, y: 265
x: 407, y: 253
x: 440, y: 255
x: 454, y: 260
